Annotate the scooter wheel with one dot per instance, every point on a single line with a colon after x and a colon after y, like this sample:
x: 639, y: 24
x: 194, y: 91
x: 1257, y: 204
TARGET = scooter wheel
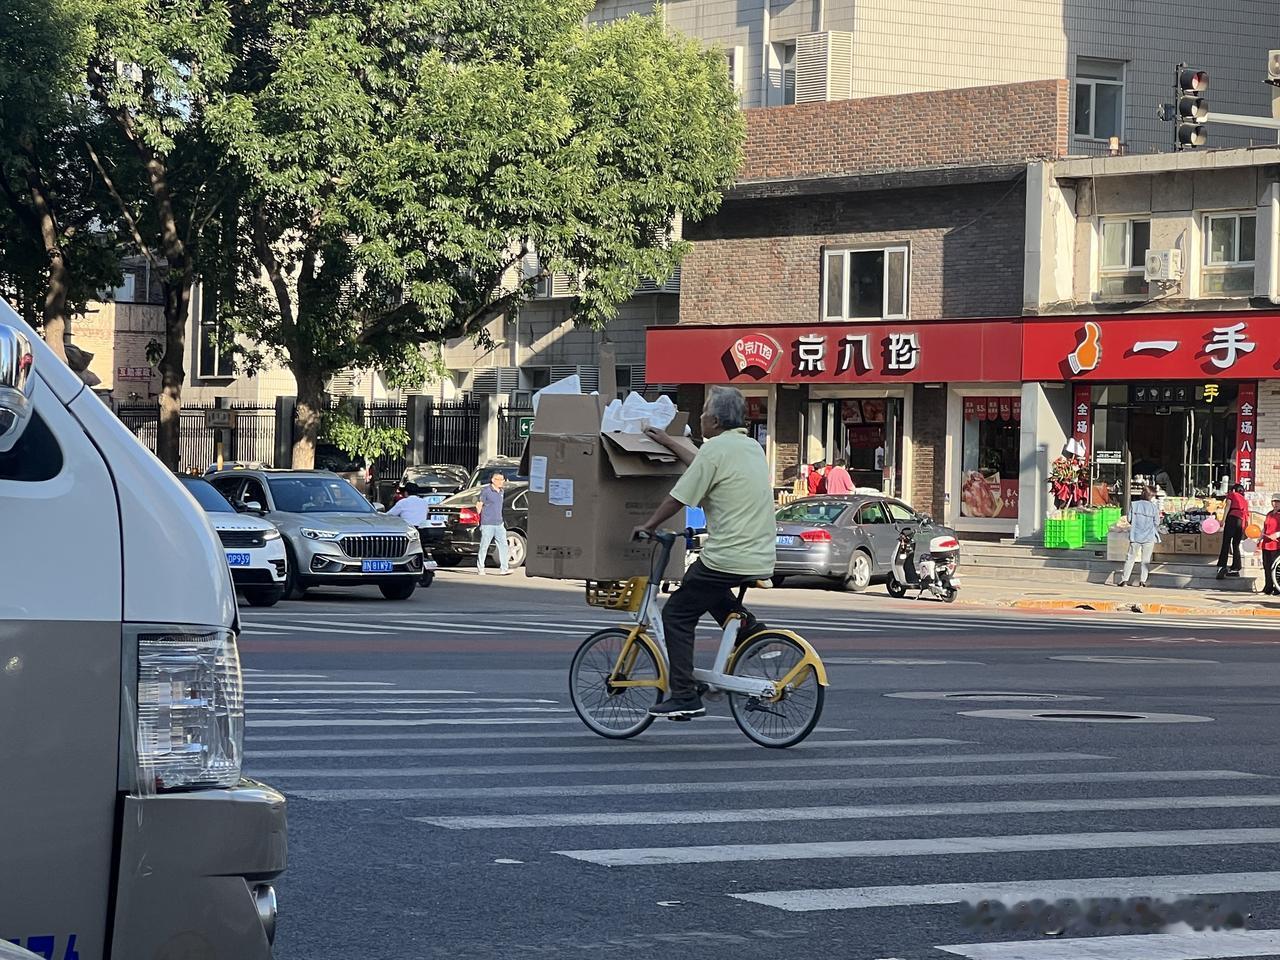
x: 950, y: 595
x: 895, y: 588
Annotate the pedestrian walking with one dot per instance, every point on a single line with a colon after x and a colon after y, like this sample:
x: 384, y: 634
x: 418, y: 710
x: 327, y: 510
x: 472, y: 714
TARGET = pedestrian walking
x: 1271, y: 547
x: 492, y: 526
x: 839, y: 481
x: 1144, y: 534
x: 1233, y: 525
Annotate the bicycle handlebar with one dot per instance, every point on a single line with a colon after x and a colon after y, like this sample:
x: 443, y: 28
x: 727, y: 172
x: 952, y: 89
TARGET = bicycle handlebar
x: 665, y: 537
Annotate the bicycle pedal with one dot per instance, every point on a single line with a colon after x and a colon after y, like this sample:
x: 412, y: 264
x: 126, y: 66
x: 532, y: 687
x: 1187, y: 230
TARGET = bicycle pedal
x: 680, y: 719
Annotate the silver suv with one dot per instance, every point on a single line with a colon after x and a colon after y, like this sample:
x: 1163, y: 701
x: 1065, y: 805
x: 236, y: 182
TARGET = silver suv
x: 333, y: 535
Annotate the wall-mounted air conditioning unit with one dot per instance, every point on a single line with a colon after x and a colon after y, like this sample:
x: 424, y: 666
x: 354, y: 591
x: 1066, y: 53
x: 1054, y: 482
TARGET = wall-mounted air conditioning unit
x: 824, y: 66
x: 1163, y: 265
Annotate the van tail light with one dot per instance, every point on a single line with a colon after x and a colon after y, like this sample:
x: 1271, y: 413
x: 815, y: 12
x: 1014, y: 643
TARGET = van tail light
x: 815, y: 536
x: 189, y: 709
x: 467, y: 517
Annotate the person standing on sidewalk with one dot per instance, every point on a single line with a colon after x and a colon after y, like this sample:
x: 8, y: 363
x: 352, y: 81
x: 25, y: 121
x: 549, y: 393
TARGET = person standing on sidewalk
x: 1144, y: 534
x: 492, y: 526
x: 1271, y: 547
x: 838, y: 480
x: 1233, y: 525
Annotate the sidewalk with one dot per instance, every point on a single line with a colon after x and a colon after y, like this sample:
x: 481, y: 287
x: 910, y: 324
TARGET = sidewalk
x: 1027, y: 593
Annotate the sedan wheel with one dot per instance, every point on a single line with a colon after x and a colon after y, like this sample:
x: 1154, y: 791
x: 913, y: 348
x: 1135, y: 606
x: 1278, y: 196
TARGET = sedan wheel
x: 517, y: 549
x: 859, y: 576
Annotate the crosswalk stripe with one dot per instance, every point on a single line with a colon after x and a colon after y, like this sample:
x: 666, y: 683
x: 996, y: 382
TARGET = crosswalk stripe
x: 578, y: 749
x: 435, y: 721
x: 1191, y: 945
x: 273, y: 711
x: 776, y: 814
x: 1010, y: 892
x: 259, y: 692
x: 318, y: 683
x: 493, y: 792
x: 251, y: 627
x: 664, y: 765
x: 251, y: 674
x: 687, y: 738
x: 920, y: 846
x: 396, y: 698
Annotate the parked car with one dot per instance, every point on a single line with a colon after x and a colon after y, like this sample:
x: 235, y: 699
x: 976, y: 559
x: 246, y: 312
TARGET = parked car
x: 357, y: 471
x: 254, y: 547
x: 509, y: 467
x: 237, y: 465
x: 435, y: 481
x: 850, y: 539
x: 333, y: 536
x: 454, y: 534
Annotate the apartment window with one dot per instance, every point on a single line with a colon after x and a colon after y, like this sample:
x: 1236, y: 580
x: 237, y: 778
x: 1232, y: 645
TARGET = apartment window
x: 214, y: 357
x: 865, y: 284
x: 733, y: 59
x: 1123, y: 257
x: 1099, y: 99
x: 1228, y: 254
x: 782, y: 73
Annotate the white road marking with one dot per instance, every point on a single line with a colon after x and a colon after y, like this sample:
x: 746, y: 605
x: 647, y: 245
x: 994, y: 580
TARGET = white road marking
x: 251, y: 674
x: 258, y: 692
x: 897, y: 662
x: 251, y: 627
x: 663, y: 765
x: 575, y: 749
x: 1191, y: 945
x: 469, y: 721
x: 1013, y: 891
x: 319, y: 683
x: 757, y: 786
x: 419, y: 711
x: 665, y: 732
x: 776, y: 814
x: 393, y: 698
x: 920, y: 847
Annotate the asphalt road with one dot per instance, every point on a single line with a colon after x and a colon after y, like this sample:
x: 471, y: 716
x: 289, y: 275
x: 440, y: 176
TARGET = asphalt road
x: 446, y: 802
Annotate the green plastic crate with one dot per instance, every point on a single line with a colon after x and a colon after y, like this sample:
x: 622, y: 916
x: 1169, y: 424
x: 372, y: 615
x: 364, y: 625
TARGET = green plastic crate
x: 1066, y: 534
x: 1098, y: 522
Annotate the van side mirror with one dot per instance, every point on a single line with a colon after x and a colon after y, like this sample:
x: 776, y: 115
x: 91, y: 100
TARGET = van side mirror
x: 16, y: 386
x: 253, y: 506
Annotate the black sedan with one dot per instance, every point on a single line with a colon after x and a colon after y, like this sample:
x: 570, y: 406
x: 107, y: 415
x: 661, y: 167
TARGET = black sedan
x: 435, y: 481
x: 453, y: 533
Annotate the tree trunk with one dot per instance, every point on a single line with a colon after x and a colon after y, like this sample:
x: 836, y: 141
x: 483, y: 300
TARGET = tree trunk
x: 311, y: 408
x: 57, y: 325
x: 177, y: 300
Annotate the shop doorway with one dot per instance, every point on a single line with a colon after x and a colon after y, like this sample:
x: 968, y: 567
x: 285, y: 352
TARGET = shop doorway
x: 864, y: 432
x: 1181, y: 438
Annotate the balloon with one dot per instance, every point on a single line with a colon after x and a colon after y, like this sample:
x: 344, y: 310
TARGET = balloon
x: 1253, y: 531
x: 1247, y: 547
x: 1210, y: 525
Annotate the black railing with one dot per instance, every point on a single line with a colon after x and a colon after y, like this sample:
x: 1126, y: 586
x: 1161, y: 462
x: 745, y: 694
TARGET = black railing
x: 510, y: 441
x: 252, y: 438
x: 451, y: 431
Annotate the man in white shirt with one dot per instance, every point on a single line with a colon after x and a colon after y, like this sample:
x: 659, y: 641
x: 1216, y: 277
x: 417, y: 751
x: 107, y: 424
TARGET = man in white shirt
x: 413, y: 509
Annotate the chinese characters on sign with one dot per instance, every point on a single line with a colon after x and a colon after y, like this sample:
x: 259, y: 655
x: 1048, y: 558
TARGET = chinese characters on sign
x: 1226, y: 345
x: 1082, y: 419
x: 758, y: 350
x: 133, y: 373
x: 1246, y: 439
x: 901, y: 353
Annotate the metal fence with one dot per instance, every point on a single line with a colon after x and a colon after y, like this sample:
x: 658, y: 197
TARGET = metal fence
x: 510, y: 443
x: 253, y: 437
x: 393, y: 413
x: 451, y: 431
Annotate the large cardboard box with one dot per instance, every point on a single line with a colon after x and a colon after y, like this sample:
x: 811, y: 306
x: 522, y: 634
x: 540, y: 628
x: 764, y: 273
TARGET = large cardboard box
x: 588, y: 490
x: 1186, y: 543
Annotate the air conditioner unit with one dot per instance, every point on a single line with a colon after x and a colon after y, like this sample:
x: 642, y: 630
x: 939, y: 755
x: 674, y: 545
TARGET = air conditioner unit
x: 824, y: 66
x: 1163, y: 265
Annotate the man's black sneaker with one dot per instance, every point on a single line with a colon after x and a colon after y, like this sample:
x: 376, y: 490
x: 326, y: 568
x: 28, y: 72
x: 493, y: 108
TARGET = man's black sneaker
x: 749, y: 628
x: 682, y: 709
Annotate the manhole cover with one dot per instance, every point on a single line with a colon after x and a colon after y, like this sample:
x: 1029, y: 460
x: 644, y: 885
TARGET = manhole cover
x: 1099, y: 659
x: 1021, y: 696
x: 1086, y: 716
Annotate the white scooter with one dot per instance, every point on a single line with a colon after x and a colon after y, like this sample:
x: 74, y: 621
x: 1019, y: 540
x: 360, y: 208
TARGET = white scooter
x: 934, y: 572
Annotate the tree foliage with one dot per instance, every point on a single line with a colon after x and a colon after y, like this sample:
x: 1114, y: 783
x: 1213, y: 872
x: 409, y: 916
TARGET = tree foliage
x: 401, y: 160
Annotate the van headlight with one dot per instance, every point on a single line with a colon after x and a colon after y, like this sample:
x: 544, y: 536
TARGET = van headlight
x: 190, y: 708
x: 269, y: 535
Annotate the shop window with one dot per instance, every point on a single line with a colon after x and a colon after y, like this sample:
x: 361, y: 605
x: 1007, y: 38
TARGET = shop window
x: 1229, y: 240
x: 1122, y: 257
x: 990, y: 457
x: 865, y: 284
x: 1099, y: 99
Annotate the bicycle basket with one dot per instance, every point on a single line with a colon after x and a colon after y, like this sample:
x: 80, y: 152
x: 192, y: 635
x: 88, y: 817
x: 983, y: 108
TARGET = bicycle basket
x: 617, y: 594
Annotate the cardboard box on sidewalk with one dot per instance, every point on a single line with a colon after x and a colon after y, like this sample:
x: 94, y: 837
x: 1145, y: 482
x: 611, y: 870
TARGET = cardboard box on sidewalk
x: 1186, y: 543
x: 588, y: 490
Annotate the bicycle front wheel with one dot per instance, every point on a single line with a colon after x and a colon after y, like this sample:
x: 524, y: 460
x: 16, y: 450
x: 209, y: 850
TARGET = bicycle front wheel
x: 612, y: 693
x: 790, y: 718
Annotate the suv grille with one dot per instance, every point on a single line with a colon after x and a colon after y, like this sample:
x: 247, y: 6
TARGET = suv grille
x: 241, y: 538
x: 376, y: 547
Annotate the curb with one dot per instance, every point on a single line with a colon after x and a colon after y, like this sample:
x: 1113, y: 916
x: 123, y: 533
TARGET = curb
x: 1167, y: 609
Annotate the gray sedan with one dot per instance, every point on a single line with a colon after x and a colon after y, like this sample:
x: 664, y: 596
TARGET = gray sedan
x: 850, y: 539
x: 332, y: 534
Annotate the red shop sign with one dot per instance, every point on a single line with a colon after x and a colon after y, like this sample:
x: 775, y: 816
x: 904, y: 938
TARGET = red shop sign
x: 937, y: 352
x: 1246, y: 434
x: 1222, y: 346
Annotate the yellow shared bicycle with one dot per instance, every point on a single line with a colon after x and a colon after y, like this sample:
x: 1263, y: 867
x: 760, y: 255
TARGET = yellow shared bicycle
x: 774, y: 679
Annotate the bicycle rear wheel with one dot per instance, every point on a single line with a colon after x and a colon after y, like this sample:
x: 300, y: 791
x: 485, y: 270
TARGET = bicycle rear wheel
x: 612, y: 711
x: 789, y: 719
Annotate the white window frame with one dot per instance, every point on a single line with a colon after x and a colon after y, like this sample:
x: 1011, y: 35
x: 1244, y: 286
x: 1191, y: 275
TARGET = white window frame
x: 733, y: 57
x: 221, y: 332
x: 778, y: 68
x: 1130, y: 269
x: 1082, y: 76
x: 1236, y: 264
x: 845, y: 253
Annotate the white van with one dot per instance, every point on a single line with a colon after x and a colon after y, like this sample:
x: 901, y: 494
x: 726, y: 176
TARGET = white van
x: 130, y: 831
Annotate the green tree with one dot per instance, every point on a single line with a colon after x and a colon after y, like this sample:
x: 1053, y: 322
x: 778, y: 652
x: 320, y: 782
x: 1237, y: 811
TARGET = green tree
x: 55, y: 252
x: 155, y: 68
x: 401, y: 161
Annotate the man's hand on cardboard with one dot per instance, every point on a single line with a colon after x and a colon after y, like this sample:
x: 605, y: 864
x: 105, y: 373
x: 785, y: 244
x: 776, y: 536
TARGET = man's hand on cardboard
x: 660, y: 437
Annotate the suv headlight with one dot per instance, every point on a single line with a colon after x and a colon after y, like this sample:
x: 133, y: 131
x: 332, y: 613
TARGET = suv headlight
x: 190, y: 708
x: 413, y: 534
x: 271, y: 534
x: 312, y: 534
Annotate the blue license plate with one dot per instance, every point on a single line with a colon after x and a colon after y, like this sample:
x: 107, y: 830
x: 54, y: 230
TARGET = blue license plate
x: 238, y: 559
x: 376, y: 566
x: 435, y: 498
x: 786, y: 541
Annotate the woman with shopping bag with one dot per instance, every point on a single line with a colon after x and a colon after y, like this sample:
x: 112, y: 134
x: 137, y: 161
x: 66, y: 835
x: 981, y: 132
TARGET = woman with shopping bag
x: 1144, y: 534
x: 1271, y: 547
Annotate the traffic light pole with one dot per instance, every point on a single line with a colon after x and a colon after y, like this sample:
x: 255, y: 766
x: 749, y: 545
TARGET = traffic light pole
x: 1241, y: 120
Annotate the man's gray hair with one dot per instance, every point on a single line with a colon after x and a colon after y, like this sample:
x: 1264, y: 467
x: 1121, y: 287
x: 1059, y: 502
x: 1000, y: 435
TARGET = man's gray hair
x: 728, y: 406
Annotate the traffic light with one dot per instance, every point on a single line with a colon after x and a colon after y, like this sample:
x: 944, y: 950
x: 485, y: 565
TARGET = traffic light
x: 1192, y: 108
